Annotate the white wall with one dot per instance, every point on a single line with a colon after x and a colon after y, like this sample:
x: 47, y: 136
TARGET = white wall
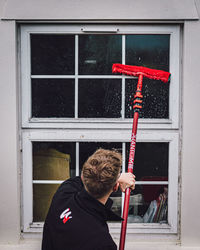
x: 100, y: 10
x: 9, y: 181
x: 190, y: 205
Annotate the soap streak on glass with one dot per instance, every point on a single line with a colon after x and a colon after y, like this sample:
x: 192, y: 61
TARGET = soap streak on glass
x: 97, y: 53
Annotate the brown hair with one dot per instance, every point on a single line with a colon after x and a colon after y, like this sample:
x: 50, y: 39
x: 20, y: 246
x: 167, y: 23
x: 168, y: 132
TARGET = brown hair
x: 100, y: 172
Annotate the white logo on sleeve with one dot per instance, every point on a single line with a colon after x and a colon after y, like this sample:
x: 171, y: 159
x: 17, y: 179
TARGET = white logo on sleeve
x: 66, y: 215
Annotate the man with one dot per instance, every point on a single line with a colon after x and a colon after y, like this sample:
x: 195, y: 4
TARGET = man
x: 81, y: 206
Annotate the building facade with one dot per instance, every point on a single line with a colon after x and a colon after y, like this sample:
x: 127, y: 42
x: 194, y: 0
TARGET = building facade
x: 60, y: 101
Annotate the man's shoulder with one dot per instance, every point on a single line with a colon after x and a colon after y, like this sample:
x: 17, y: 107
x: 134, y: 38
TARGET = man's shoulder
x: 69, y: 186
x: 72, y: 184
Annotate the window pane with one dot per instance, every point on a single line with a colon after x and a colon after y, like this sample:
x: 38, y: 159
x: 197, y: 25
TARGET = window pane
x: 155, y: 98
x: 86, y: 149
x: 117, y: 202
x: 150, y: 51
x: 99, y: 98
x: 42, y: 196
x: 151, y: 161
x: 54, y: 160
x: 53, y: 98
x: 149, y: 204
x: 52, y: 54
x: 97, y: 53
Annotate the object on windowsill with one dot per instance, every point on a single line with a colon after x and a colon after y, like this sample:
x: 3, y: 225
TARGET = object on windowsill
x: 150, y: 213
x: 50, y: 164
x: 161, y: 213
x: 157, y: 211
x: 135, y: 219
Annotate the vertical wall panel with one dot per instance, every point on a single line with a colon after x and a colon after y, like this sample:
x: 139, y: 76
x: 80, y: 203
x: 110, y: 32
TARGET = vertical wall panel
x: 9, y: 182
x: 190, y: 204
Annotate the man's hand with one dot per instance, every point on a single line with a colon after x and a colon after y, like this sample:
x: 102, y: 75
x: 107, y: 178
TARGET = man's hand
x: 126, y: 180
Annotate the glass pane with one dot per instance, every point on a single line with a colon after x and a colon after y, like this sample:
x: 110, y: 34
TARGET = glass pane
x: 150, y: 51
x: 149, y: 204
x: 155, y: 99
x: 52, y: 54
x: 53, y: 98
x: 54, y: 160
x: 86, y: 149
x: 151, y: 161
x: 97, y: 53
x: 117, y: 202
x: 99, y: 98
x: 42, y: 196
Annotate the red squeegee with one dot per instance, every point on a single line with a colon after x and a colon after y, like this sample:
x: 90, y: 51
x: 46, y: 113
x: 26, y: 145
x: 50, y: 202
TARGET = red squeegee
x: 140, y: 72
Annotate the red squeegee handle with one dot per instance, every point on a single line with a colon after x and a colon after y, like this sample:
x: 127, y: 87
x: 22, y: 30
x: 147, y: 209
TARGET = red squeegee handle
x: 140, y: 72
x: 131, y: 163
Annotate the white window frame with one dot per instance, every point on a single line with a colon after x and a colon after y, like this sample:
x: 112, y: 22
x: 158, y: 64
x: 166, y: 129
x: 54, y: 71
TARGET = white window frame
x: 101, y: 130
x: 28, y: 122
x: 93, y: 135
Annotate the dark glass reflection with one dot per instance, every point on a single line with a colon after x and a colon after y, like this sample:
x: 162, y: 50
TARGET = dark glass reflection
x: 155, y: 98
x: 151, y: 160
x: 52, y: 54
x: 97, y: 53
x: 42, y: 197
x: 99, y: 98
x: 150, y: 51
x: 54, y: 160
x: 52, y: 98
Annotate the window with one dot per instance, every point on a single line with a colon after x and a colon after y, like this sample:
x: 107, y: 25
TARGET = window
x: 72, y: 104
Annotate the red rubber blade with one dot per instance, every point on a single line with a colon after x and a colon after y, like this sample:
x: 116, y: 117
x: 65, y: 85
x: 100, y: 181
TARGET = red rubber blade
x: 139, y: 70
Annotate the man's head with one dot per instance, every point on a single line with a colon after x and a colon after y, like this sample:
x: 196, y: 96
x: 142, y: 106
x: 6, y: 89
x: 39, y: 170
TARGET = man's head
x: 101, y: 171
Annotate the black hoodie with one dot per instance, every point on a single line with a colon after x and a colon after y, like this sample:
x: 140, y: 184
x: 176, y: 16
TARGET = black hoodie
x: 76, y: 220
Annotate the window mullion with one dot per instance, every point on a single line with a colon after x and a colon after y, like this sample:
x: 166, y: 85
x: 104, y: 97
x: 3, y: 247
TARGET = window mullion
x: 77, y: 158
x: 76, y: 76
x: 47, y: 181
x: 123, y: 77
x: 52, y: 76
x: 151, y: 182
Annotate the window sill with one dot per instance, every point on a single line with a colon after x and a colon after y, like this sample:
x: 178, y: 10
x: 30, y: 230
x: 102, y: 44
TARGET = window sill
x: 142, y: 228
